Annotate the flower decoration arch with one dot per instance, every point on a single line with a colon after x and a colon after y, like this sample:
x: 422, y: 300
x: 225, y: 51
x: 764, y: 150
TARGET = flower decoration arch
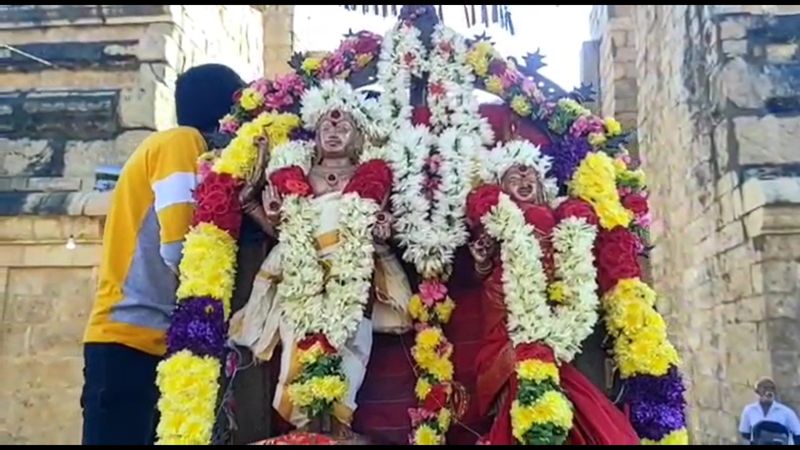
x: 589, y: 162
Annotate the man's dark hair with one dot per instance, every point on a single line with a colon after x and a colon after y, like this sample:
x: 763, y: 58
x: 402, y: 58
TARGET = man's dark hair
x: 204, y: 94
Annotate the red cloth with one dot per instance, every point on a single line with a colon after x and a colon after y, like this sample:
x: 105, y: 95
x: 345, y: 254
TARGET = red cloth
x: 597, y: 420
x: 506, y: 125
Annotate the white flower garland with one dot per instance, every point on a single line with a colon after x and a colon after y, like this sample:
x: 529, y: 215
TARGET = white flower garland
x: 530, y: 317
x: 430, y: 230
x: 310, y: 303
x: 292, y: 153
x: 573, y: 240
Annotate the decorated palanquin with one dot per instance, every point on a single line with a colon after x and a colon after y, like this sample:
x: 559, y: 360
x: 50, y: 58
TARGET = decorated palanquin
x: 434, y: 270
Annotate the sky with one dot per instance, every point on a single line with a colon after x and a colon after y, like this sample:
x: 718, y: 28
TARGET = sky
x: 559, y: 31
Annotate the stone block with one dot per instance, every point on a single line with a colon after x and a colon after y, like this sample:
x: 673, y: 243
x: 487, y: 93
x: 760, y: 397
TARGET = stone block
x: 769, y: 139
x: 745, y: 363
x: 782, y: 53
x: 781, y: 306
x: 63, y: 114
x: 105, y: 55
x: 734, y: 48
x: 708, y: 392
x: 65, y: 79
x: 28, y: 309
x: 752, y: 308
x: 732, y: 29
x: 741, y: 84
x: 730, y: 236
x: 24, y: 16
x: 735, y: 396
x: 53, y: 374
x: 56, y: 255
x: 53, y: 184
x: 784, y: 336
x: 781, y: 246
x: 62, y: 340
x: 16, y: 228
x: 727, y: 183
x: 58, y: 419
x: 781, y: 277
x: 625, y: 54
x: 14, y: 341
x: 125, y: 144
x: 25, y: 157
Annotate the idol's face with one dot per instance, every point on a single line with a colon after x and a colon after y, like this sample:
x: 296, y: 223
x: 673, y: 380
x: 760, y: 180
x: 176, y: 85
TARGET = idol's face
x: 337, y: 134
x: 522, y: 183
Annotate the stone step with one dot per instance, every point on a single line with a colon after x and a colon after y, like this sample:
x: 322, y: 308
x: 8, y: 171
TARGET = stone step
x: 37, y: 16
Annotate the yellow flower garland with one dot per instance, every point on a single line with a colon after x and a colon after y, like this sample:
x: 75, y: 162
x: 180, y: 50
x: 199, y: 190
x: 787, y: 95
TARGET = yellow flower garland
x: 208, y: 265
x: 189, y: 383
x: 641, y: 345
x: 239, y: 157
x: 595, y: 182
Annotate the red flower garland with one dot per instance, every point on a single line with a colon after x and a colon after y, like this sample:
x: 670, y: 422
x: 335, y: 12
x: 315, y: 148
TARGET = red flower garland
x: 217, y: 199
x: 291, y: 181
x: 480, y: 201
x: 616, y: 257
x: 577, y: 208
x: 372, y: 180
x: 636, y: 203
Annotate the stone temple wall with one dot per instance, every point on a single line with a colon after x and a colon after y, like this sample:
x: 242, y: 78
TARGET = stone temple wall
x: 111, y: 83
x: 718, y: 113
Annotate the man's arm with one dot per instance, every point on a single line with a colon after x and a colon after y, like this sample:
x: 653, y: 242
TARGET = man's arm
x: 794, y: 426
x: 173, y: 178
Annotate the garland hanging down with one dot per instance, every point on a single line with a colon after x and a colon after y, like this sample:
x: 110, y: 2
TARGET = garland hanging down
x: 431, y: 162
x: 188, y: 377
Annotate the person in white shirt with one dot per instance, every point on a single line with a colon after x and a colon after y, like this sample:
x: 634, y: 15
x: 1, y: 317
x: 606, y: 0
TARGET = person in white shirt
x: 767, y: 409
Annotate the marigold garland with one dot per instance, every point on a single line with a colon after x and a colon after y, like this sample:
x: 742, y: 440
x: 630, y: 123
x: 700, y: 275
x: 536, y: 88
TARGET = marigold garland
x: 188, y: 377
x: 594, y: 182
x: 646, y: 359
x: 541, y: 413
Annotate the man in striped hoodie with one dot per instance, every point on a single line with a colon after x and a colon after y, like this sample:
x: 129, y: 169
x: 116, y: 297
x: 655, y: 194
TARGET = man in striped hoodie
x: 151, y: 212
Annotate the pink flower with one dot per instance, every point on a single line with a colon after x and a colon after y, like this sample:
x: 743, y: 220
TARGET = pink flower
x: 430, y: 186
x: 278, y: 100
x: 432, y: 291
x: 333, y: 65
x: 623, y: 191
x: 261, y: 85
x: 585, y: 125
x: 509, y: 78
x: 204, y: 170
x: 420, y: 415
x: 528, y: 87
x: 290, y: 83
x: 433, y: 163
x: 644, y: 220
x: 228, y: 125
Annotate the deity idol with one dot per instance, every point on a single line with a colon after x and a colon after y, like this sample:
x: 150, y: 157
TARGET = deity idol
x: 320, y: 188
x: 539, y: 304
